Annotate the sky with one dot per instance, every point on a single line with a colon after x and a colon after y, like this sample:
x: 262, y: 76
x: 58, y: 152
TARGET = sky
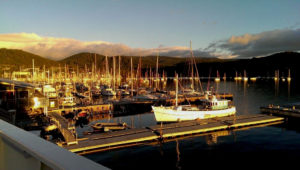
x: 217, y: 28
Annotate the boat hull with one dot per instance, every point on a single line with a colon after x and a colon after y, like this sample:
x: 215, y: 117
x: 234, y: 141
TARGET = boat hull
x: 163, y: 114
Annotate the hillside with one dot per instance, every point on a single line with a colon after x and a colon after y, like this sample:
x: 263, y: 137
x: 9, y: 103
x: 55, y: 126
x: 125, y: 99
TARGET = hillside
x: 263, y: 66
x: 22, y: 58
x: 83, y: 59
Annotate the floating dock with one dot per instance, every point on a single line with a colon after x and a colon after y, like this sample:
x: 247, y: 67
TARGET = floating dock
x: 119, y: 139
x: 293, y: 112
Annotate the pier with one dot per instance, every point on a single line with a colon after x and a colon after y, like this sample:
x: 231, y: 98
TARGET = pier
x: 119, y: 139
x: 66, y: 128
x: 292, y: 112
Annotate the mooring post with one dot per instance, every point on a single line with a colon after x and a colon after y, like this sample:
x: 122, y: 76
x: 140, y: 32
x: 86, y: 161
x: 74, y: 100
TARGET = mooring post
x: 161, y: 132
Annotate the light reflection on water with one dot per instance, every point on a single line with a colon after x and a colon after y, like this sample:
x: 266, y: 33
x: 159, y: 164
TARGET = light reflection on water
x: 254, y: 146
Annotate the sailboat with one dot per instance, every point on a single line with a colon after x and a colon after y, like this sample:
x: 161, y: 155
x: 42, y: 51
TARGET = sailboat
x: 210, y: 107
x: 105, y: 90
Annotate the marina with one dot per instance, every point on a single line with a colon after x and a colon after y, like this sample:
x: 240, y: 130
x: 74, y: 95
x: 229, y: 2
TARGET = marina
x: 172, y: 85
x: 74, y: 119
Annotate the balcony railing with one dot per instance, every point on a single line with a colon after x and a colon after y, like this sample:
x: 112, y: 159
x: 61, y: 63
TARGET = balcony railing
x: 20, y: 149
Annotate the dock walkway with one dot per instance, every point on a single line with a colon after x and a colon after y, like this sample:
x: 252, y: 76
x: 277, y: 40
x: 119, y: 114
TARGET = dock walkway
x: 281, y: 111
x: 119, y: 139
x: 66, y: 129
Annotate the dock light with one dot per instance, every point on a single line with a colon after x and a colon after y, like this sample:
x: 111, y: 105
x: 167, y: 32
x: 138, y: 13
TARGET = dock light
x: 37, y: 103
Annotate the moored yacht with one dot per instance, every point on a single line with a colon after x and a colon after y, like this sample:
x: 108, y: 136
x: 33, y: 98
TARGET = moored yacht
x: 210, y: 107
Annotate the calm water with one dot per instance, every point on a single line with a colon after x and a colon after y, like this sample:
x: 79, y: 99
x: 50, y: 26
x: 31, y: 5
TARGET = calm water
x: 268, y: 146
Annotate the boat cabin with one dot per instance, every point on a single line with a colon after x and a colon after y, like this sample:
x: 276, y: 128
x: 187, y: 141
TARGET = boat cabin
x: 215, y: 104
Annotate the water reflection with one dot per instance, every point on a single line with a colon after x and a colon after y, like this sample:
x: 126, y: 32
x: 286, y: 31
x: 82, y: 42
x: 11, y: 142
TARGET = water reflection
x: 276, y: 82
x: 178, y: 155
x: 289, y: 88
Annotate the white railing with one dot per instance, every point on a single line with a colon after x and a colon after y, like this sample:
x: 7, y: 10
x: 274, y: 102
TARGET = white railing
x: 20, y: 149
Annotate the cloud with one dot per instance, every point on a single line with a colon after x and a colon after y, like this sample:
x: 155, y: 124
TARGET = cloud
x: 58, y: 48
x: 256, y: 45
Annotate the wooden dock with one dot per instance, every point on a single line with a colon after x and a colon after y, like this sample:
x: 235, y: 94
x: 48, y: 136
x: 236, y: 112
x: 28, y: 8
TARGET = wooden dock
x: 112, y: 140
x: 281, y: 111
x: 66, y: 128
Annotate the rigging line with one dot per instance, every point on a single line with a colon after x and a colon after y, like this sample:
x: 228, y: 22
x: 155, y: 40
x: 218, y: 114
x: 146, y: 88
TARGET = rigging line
x: 194, y: 61
x: 183, y: 94
x: 200, y: 84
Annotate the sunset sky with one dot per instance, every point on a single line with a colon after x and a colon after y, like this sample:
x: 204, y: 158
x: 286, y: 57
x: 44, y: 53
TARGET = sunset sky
x: 225, y: 29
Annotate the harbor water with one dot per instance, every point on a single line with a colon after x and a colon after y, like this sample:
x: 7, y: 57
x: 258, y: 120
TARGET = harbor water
x: 255, y: 147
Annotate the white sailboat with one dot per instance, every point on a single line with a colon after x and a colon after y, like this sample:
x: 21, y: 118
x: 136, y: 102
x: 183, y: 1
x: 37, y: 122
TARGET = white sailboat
x: 210, y: 107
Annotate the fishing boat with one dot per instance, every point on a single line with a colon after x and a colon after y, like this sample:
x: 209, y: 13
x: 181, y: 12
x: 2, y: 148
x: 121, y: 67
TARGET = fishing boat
x: 210, y: 107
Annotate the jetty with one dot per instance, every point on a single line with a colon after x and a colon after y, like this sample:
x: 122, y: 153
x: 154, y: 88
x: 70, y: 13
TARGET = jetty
x: 292, y: 111
x: 66, y: 128
x: 130, y: 137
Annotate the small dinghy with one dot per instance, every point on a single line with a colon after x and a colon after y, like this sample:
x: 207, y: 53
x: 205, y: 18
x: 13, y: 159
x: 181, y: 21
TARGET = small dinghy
x: 105, y: 127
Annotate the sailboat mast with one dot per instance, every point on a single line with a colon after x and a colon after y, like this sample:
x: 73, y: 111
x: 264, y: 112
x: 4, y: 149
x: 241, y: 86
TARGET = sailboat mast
x: 176, y: 90
x: 44, y: 73
x: 95, y: 68
x: 192, y: 61
x: 156, y: 82
x: 114, y: 81
x: 32, y: 70
x: 131, y: 76
x: 119, y: 78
